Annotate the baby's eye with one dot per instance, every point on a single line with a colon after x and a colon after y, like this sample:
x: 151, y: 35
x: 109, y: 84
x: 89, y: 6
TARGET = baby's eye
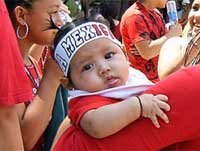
x: 87, y: 67
x: 109, y: 55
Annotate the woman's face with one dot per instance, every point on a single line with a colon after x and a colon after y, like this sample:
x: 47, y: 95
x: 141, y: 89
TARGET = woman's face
x: 39, y: 21
x: 194, y: 16
x: 99, y: 65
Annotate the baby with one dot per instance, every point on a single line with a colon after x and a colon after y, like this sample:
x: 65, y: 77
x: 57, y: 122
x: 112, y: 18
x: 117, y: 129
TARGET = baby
x: 106, y: 98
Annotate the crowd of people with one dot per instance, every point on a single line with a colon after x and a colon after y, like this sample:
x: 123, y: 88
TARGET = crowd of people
x: 99, y: 75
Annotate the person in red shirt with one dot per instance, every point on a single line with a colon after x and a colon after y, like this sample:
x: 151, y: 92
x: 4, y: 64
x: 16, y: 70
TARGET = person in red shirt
x: 143, y: 33
x: 14, y: 85
x: 106, y: 107
x: 37, y: 22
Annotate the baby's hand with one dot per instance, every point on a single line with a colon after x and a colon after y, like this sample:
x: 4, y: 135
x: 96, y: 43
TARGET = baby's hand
x: 153, y: 106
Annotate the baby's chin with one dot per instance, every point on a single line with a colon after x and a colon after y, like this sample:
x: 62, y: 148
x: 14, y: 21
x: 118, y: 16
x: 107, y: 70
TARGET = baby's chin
x: 102, y: 89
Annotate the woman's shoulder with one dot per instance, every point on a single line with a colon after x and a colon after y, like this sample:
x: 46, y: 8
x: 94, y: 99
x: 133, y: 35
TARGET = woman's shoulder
x: 173, y: 45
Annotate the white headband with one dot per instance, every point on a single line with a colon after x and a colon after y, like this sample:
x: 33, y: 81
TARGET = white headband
x: 78, y: 37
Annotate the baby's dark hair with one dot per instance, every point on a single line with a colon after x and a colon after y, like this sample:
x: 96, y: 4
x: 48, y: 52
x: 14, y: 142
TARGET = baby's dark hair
x: 68, y: 27
x: 62, y: 32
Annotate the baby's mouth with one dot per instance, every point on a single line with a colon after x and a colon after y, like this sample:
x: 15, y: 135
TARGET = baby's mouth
x: 112, y: 81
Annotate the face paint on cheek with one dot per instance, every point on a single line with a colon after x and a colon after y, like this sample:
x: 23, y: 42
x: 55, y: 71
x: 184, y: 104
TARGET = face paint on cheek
x: 48, y: 24
x: 59, y: 19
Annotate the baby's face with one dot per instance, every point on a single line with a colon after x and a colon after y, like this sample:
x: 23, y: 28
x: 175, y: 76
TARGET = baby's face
x: 99, y: 65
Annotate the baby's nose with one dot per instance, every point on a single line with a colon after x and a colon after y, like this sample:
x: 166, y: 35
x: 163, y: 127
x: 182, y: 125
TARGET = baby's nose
x: 104, y: 68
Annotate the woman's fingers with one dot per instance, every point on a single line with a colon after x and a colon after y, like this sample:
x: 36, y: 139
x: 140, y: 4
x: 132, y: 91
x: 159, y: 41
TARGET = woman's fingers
x: 65, y: 8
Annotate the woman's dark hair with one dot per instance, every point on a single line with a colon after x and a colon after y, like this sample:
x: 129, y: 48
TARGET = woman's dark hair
x: 12, y: 4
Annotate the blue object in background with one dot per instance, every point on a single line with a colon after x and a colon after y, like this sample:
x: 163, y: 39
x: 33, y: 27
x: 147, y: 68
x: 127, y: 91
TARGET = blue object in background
x: 172, y: 11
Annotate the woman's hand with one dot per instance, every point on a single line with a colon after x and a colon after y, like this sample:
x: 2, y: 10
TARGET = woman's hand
x: 175, y: 30
x: 153, y: 106
x: 65, y: 8
x: 53, y: 69
x: 64, y: 82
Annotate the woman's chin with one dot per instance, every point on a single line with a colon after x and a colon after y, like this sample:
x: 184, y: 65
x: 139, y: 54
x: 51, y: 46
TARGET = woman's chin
x: 196, y: 29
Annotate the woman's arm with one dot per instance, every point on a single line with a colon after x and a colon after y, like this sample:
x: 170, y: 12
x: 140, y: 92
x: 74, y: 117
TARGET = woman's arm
x: 10, y: 134
x: 38, y: 114
x: 36, y: 51
x: 151, y: 48
x: 171, y: 56
x: 109, y: 119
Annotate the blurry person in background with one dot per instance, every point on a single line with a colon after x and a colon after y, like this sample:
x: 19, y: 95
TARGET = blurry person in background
x: 178, y: 52
x: 143, y: 33
x: 37, y: 22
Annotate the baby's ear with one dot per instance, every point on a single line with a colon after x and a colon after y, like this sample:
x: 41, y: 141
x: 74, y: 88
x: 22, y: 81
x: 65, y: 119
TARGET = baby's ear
x: 66, y: 83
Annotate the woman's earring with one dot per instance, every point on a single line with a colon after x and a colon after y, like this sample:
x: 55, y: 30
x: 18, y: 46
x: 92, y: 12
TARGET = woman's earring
x: 26, y: 32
